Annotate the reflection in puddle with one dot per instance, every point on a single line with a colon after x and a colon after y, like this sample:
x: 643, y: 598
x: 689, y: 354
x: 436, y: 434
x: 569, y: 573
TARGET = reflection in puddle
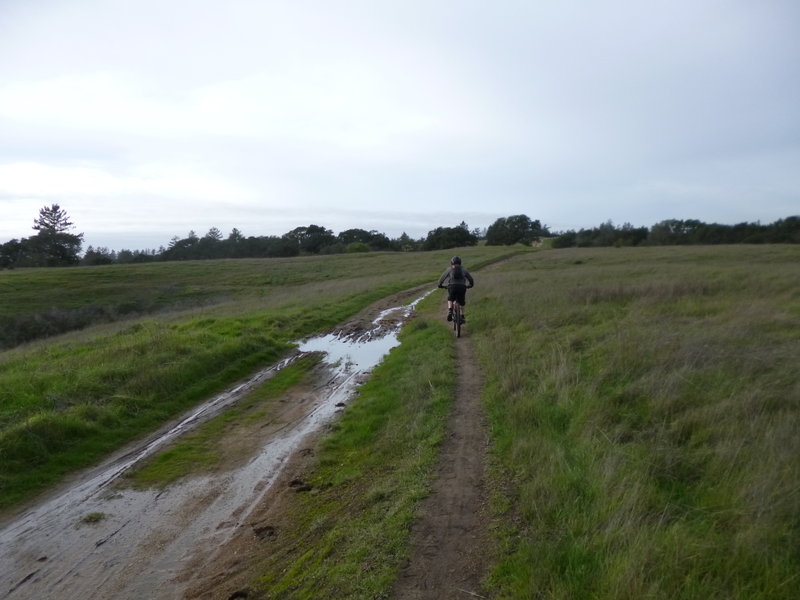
x: 165, y: 529
x: 361, y: 352
x: 351, y: 355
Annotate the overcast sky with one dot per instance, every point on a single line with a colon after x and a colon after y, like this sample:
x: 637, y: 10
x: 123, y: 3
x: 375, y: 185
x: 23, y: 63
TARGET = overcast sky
x: 146, y: 119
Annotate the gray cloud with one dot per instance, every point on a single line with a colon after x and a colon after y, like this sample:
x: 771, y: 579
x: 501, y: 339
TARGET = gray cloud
x: 146, y: 120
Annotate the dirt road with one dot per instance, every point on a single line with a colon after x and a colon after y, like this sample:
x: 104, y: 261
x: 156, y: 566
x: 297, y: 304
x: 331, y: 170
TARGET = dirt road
x: 96, y: 538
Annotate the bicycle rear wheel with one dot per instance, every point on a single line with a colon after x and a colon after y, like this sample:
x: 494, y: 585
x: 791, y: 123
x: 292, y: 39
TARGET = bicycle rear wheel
x: 457, y: 319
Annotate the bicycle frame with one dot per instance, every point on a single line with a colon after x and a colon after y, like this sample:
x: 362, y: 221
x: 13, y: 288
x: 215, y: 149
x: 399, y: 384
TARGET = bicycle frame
x: 457, y: 318
x: 457, y: 315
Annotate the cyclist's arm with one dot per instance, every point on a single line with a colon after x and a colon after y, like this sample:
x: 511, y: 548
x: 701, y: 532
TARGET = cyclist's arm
x: 445, y: 276
x: 469, y: 278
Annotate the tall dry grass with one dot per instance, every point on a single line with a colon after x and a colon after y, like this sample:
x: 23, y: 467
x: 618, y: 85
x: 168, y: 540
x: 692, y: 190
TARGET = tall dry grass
x: 644, y: 406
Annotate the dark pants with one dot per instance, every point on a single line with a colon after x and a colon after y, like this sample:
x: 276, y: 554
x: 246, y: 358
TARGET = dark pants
x: 457, y: 293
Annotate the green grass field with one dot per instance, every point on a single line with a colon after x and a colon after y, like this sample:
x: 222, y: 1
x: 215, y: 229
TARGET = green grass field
x: 68, y: 400
x: 644, y: 405
x: 36, y: 303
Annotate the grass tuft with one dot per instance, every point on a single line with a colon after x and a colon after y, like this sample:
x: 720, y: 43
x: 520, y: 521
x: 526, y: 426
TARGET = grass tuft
x: 202, y: 450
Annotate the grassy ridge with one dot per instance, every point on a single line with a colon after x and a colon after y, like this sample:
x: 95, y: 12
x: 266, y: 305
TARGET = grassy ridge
x: 644, y: 406
x: 37, y: 303
x: 67, y: 401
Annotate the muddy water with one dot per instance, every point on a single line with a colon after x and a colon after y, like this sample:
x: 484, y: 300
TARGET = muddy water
x: 146, y: 538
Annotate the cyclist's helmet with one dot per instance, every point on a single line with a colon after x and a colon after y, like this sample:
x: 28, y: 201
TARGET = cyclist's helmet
x: 456, y: 260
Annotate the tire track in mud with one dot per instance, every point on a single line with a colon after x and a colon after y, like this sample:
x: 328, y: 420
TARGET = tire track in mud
x: 449, y: 539
x: 159, y: 544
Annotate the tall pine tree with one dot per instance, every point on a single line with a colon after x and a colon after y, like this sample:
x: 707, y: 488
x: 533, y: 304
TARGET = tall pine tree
x: 53, y: 246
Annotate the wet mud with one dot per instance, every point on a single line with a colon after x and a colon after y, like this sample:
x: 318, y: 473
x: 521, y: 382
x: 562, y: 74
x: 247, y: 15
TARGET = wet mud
x: 450, y: 536
x: 96, y: 538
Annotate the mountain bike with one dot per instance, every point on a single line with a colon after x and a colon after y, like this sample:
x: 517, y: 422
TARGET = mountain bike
x: 458, y: 315
x: 458, y: 318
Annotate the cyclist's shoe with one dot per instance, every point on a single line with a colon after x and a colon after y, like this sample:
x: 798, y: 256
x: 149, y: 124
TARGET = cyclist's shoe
x: 450, y: 315
x: 463, y: 320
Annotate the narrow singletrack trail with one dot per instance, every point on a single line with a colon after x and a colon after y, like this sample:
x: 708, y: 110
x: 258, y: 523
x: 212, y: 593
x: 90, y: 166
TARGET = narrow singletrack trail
x: 449, y: 540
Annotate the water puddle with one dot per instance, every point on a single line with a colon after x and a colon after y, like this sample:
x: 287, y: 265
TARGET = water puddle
x: 363, y: 351
x: 141, y: 540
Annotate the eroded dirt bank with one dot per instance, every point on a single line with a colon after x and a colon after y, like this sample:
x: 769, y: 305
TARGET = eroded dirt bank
x: 96, y: 538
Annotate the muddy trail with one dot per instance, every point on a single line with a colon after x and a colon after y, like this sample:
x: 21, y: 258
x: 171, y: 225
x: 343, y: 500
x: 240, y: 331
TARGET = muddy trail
x: 449, y: 537
x: 95, y: 537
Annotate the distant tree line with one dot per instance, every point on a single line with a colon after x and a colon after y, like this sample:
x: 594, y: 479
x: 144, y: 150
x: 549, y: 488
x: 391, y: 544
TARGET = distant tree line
x: 311, y: 239
x: 675, y: 232
x: 55, y: 245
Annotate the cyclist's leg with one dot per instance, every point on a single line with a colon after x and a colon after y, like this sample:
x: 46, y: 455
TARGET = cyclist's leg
x: 451, y: 297
x: 458, y: 295
x: 462, y: 300
x: 449, y: 304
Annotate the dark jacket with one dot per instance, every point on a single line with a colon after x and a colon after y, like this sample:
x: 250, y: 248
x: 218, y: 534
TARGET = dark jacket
x: 449, y: 274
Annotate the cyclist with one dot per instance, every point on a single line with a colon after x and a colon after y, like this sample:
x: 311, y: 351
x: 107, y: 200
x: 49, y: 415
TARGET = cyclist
x: 457, y: 288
